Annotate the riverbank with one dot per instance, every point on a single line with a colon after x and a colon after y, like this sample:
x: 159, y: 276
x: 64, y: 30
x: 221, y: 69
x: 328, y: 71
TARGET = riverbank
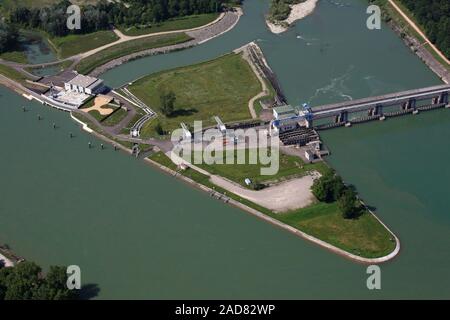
x: 298, y: 12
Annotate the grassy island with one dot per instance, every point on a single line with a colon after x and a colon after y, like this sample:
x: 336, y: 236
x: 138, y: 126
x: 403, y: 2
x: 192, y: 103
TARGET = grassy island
x: 221, y: 87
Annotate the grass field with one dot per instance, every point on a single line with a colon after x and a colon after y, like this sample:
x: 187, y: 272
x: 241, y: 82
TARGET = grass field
x: 364, y: 236
x: 219, y: 87
x: 74, y: 44
x: 90, y: 63
x: 290, y: 167
x: 15, y: 56
x: 182, y: 23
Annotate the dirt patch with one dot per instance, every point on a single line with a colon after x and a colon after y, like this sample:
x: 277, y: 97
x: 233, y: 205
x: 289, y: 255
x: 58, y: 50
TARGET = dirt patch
x: 99, y: 102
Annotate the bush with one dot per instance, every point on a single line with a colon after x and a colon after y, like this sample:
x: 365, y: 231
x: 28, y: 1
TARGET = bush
x: 329, y: 187
x: 347, y: 203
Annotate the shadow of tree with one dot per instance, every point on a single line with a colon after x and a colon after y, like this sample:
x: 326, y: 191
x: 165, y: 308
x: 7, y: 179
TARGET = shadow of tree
x: 89, y: 291
x: 183, y: 112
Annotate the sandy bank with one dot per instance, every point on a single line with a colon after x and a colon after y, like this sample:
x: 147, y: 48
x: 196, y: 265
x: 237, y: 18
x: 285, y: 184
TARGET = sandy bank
x: 298, y: 11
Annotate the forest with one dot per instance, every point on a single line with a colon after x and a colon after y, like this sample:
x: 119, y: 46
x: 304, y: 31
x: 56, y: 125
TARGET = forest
x: 52, y: 19
x: 434, y: 17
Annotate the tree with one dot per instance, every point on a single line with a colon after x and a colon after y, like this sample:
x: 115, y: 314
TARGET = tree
x: 26, y: 281
x: 347, y: 204
x: 167, y: 100
x: 329, y: 187
x: 8, y: 37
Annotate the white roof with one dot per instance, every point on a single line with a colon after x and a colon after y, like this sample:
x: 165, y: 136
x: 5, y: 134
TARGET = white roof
x: 84, y: 81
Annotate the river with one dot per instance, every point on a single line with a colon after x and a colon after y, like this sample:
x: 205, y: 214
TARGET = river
x: 138, y: 233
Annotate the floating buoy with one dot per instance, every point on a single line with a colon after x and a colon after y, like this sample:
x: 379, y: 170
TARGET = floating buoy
x: 102, y: 146
x: 24, y: 109
x: 70, y: 135
x: 54, y: 125
x: 89, y: 144
x: 39, y: 117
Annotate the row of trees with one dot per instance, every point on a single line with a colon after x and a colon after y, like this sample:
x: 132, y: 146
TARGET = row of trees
x: 26, y: 281
x: 8, y: 37
x: 330, y: 188
x: 102, y: 15
x: 434, y: 16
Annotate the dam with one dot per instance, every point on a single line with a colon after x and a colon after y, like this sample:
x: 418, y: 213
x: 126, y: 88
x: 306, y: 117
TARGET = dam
x: 381, y: 107
x: 299, y: 125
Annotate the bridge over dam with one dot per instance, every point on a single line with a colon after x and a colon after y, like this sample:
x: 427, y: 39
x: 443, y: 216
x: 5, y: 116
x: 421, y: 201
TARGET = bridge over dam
x: 379, y: 107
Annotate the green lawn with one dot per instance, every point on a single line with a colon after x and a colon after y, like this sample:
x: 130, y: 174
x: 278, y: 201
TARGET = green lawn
x: 115, y: 118
x: 90, y: 63
x: 363, y: 236
x: 77, y: 43
x: 11, y: 73
x: 219, y: 87
x: 289, y: 167
x: 181, y: 23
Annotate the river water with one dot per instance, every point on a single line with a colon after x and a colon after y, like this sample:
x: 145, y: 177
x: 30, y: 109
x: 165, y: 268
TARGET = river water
x: 138, y: 233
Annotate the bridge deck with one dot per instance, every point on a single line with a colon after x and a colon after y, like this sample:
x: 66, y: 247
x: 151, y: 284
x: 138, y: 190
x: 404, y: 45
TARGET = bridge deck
x: 372, y: 101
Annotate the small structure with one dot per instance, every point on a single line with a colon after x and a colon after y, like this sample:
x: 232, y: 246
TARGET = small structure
x: 187, y: 135
x: 84, y: 84
x: 248, y: 181
x: 310, y: 155
x: 222, y: 128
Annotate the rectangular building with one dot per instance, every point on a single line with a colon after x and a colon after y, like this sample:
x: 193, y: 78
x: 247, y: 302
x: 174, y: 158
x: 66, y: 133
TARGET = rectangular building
x: 84, y: 84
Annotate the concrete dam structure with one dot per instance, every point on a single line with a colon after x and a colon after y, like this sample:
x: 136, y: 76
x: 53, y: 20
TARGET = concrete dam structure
x: 380, y: 107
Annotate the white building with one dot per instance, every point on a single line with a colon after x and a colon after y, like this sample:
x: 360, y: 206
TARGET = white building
x: 84, y: 84
x: 309, y: 155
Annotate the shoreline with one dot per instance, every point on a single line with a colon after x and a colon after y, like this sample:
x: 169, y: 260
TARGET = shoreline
x: 298, y: 12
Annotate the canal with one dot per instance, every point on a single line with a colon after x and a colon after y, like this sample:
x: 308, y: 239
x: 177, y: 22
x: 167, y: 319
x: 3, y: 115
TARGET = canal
x: 138, y: 233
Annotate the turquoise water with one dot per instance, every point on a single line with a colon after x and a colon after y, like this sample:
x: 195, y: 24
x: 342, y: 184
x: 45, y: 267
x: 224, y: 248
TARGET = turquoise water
x: 137, y: 233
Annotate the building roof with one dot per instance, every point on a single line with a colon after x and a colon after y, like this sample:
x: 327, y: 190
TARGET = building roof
x: 84, y: 81
x: 284, y: 109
